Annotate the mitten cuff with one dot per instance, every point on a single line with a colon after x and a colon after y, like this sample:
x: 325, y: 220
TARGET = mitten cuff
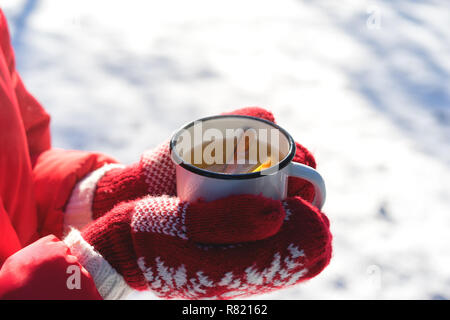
x: 78, y: 211
x: 109, y: 283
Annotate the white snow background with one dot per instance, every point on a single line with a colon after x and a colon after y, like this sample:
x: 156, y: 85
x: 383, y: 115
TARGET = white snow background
x: 363, y: 84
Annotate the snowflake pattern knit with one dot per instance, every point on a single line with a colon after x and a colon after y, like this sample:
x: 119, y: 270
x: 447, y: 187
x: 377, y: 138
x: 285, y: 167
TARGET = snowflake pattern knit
x: 154, y: 244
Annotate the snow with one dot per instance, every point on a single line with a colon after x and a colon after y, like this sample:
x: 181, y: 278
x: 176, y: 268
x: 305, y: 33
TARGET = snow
x: 363, y: 84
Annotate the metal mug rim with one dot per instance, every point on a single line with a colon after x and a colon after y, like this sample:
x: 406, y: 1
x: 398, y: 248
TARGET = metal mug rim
x: 240, y: 176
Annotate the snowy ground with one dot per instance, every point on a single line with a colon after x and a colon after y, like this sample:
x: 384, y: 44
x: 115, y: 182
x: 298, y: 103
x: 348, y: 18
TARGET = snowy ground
x: 364, y: 84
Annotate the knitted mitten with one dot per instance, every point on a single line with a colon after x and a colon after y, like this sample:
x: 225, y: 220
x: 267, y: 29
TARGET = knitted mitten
x: 232, y: 247
x: 155, y: 174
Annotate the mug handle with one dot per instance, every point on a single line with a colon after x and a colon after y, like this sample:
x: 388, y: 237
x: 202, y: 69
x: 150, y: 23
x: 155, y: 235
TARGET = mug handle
x: 309, y: 174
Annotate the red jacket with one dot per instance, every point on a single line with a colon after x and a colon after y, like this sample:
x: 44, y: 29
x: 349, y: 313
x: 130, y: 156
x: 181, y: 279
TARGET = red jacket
x: 36, y: 182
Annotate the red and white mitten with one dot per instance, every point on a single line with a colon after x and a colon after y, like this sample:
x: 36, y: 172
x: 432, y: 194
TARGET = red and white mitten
x: 153, y: 175
x: 233, y: 247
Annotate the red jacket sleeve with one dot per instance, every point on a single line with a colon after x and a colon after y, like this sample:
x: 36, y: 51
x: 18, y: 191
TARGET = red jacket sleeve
x: 55, y: 175
x: 35, y: 120
x: 46, y: 270
x: 43, y: 179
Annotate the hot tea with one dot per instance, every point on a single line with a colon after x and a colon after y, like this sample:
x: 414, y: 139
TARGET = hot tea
x: 236, y: 155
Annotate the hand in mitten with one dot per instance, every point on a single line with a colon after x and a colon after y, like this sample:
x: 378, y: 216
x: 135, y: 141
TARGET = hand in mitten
x: 154, y: 174
x: 232, y: 247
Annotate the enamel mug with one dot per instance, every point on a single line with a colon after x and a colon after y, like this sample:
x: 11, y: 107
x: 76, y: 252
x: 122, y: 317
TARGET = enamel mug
x: 194, y: 183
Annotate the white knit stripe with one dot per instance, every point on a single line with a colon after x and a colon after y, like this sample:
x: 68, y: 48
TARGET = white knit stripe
x: 295, y: 252
x: 287, y: 211
x: 172, y: 282
x: 109, y: 283
x: 159, y: 170
x: 226, y: 279
x: 78, y: 211
x: 163, y: 215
